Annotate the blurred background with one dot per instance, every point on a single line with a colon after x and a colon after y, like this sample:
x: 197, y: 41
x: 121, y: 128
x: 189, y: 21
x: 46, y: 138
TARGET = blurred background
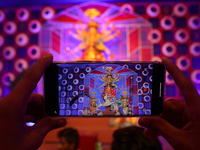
x: 131, y: 30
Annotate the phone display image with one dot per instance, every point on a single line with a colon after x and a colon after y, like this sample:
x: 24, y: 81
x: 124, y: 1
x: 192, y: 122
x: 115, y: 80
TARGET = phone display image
x: 101, y: 89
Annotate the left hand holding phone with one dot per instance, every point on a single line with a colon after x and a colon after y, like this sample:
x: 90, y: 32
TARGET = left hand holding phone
x: 21, y: 105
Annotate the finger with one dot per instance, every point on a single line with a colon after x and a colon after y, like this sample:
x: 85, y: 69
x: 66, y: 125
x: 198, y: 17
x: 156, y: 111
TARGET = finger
x: 158, y: 126
x: 27, y: 84
x: 186, y: 87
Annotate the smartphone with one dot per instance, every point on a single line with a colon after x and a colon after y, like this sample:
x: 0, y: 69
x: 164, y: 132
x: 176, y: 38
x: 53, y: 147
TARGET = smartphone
x: 96, y: 89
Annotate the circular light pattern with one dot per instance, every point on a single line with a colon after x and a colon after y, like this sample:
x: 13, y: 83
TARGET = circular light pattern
x: 75, y: 93
x: 183, y: 63
x: 80, y: 112
x: 145, y: 72
x: 10, y: 27
x: 68, y: 99
x: 146, y: 85
x: 140, y: 105
x: 181, y: 36
x: 126, y: 66
x: 151, y: 78
x: 1, y: 66
x: 20, y: 65
x: 65, y: 70
x: 1, y: 40
x: 9, y: 53
x: 180, y: 9
x: 140, y: 92
x: 156, y: 59
x: 34, y: 52
x: 63, y: 93
x: 167, y: 22
x: 76, y: 70
x: 68, y: 112
x: 126, y: 8
x: 70, y: 76
x: 150, y: 66
x: 34, y: 26
x: 59, y: 88
x: 195, y: 49
x: 148, y: 112
x: 154, y: 36
x: 139, y: 79
x: 21, y: 39
x: 88, y: 69
x: 2, y: 16
x: 80, y: 99
x: 169, y: 79
x: 194, y: 22
x: 153, y: 10
x: 64, y: 82
x: 1, y: 92
x: 147, y: 98
x: 69, y: 87
x: 81, y: 87
x: 59, y: 76
x: 62, y: 106
x: 75, y: 81
x: 22, y: 14
x: 168, y: 49
x: 48, y: 13
x: 82, y: 75
x: 138, y: 66
x: 74, y: 106
x: 195, y: 76
x: 7, y: 78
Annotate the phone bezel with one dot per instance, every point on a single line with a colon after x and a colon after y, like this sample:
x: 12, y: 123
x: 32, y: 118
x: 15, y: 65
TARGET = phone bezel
x: 51, y: 86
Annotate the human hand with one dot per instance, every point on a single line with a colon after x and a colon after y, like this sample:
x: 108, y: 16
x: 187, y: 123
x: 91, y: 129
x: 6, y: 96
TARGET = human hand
x: 179, y: 123
x: 21, y: 105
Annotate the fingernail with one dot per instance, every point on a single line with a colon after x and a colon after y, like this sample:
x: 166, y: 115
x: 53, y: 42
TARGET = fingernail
x: 144, y: 122
x: 61, y: 122
x: 47, y: 55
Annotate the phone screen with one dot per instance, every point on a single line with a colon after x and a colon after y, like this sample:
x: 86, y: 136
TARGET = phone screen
x: 105, y: 89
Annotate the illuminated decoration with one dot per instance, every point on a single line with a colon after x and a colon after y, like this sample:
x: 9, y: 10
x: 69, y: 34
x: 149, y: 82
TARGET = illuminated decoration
x: 7, y: 78
x: 169, y: 80
x: 194, y: 22
x: 34, y: 26
x: 22, y: 14
x: 195, y: 76
x: 21, y: 39
x: 9, y: 53
x: 155, y: 36
x: 181, y: 35
x: 183, y: 63
x: 167, y: 22
x: 169, y: 49
x: 153, y: 10
x: 2, y: 16
x: 10, y: 27
x: 48, y: 13
x: 34, y: 52
x: 1, y: 40
x: 195, y: 49
x: 20, y: 65
x: 180, y: 9
x: 94, y: 31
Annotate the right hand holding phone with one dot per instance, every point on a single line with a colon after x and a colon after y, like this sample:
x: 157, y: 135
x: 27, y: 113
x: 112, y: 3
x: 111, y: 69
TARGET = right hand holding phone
x: 179, y: 123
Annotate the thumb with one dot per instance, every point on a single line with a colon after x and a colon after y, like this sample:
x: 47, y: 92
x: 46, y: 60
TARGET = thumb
x: 156, y: 126
x: 41, y: 128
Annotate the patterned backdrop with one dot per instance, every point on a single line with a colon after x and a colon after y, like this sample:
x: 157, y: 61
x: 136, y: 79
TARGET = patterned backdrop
x: 174, y: 32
